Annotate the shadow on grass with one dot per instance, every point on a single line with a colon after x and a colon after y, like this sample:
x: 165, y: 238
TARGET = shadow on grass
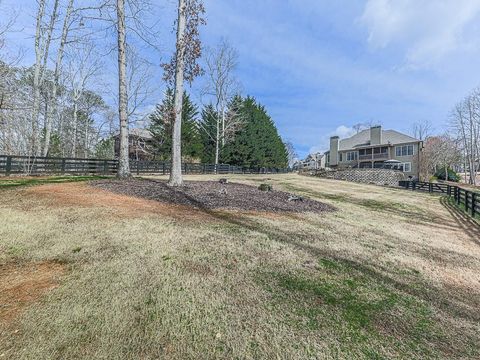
x: 462, y: 220
x: 301, y: 241
x: 409, y: 212
x: 344, y: 297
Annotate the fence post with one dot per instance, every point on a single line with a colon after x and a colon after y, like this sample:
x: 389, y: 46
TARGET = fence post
x: 466, y: 200
x: 474, y: 203
x: 105, y: 167
x: 8, y: 167
x: 459, y: 199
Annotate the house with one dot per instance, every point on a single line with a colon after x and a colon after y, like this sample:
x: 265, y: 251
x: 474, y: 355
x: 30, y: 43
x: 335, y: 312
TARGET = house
x: 139, y: 144
x: 313, y: 162
x: 376, y: 148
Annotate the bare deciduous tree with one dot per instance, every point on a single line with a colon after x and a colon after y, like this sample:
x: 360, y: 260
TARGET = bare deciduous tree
x: 421, y: 130
x: 56, y: 77
x: 123, y: 159
x: 465, y: 121
x: 221, y: 87
x: 43, y: 38
x: 291, y: 153
x: 183, y: 66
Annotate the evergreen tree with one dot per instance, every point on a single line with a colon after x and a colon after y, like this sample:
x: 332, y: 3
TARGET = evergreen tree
x: 208, y: 129
x: 257, y: 143
x: 161, y: 127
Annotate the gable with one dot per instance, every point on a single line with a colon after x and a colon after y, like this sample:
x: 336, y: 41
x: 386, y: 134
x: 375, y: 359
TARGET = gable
x: 389, y: 137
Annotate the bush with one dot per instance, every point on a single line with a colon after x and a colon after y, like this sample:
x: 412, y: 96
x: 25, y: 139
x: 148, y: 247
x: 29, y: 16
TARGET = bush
x: 265, y: 187
x: 452, y: 175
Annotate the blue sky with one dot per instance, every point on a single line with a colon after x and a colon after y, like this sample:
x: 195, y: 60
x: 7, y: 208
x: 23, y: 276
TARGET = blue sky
x: 322, y: 66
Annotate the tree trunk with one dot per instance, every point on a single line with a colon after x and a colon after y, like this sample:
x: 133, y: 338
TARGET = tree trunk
x: 217, y: 145
x: 36, y: 79
x: 56, y: 79
x: 176, y: 178
x: 75, y: 120
x: 123, y: 163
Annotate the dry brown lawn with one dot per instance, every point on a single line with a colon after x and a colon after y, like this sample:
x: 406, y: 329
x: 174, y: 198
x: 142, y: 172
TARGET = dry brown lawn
x: 88, y: 274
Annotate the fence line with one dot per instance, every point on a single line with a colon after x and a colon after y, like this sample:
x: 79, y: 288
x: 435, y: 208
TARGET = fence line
x: 11, y: 165
x: 469, y: 200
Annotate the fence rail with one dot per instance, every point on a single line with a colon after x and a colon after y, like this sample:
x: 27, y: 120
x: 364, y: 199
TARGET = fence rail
x: 469, y: 200
x: 11, y: 165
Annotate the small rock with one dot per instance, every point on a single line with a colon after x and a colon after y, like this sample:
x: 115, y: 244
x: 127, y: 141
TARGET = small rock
x: 295, y: 198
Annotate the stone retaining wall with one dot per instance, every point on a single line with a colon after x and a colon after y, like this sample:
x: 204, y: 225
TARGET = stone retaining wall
x: 366, y: 176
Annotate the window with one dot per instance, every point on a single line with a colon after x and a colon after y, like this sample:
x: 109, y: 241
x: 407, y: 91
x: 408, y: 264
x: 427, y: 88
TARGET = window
x: 382, y: 150
x: 407, y: 167
x: 405, y: 150
x: 352, y: 155
x: 341, y: 156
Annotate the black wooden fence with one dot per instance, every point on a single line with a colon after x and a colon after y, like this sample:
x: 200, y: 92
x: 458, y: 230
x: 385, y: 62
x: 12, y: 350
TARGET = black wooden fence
x: 11, y: 165
x: 469, y: 200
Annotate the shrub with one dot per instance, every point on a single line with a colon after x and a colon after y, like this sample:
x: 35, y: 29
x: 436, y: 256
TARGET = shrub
x: 265, y: 187
x: 452, y: 175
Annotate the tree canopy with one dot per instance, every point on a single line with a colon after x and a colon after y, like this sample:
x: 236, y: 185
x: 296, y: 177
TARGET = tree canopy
x: 257, y: 143
x: 161, y: 127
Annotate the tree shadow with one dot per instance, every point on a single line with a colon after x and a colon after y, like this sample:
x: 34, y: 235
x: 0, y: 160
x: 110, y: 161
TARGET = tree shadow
x: 462, y: 220
x: 453, y: 304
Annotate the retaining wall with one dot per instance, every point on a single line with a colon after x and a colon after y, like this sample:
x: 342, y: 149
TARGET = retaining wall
x: 366, y: 176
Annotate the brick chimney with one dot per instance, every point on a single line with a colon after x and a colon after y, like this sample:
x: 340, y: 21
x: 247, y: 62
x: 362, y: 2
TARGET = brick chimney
x: 334, y: 150
x: 375, y: 135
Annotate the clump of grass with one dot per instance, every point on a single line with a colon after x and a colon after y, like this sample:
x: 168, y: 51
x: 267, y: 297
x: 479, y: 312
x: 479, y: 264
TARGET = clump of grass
x: 14, y: 182
x: 354, y: 306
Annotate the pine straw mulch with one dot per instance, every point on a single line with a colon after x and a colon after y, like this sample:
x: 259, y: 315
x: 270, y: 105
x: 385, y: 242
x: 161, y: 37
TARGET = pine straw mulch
x: 210, y: 195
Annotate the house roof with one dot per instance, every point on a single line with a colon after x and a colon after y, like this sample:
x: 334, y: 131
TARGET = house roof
x: 362, y: 139
x: 141, y: 133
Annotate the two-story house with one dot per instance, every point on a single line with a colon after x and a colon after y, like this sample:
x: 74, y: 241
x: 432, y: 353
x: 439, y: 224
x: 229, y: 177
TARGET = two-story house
x: 139, y: 144
x: 376, y: 148
x: 313, y: 162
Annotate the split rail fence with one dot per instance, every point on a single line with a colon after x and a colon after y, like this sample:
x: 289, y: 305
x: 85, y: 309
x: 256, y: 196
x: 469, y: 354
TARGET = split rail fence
x: 467, y: 199
x: 17, y: 165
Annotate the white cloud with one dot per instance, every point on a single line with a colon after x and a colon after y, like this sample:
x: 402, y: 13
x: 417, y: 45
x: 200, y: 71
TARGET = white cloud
x: 427, y: 29
x: 342, y: 131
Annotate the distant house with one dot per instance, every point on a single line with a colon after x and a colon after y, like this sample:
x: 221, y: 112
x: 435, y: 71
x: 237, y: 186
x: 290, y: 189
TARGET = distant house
x: 376, y: 148
x: 139, y: 144
x: 312, y: 162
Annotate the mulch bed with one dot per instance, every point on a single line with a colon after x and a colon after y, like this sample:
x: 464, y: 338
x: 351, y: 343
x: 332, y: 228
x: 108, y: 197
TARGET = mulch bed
x: 211, y: 195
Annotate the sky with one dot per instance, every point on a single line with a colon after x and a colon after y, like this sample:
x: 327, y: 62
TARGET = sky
x: 322, y: 66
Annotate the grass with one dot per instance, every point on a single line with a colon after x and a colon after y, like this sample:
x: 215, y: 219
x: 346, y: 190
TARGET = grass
x: 461, y: 208
x: 374, y: 280
x: 19, y: 181
x: 362, y: 311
